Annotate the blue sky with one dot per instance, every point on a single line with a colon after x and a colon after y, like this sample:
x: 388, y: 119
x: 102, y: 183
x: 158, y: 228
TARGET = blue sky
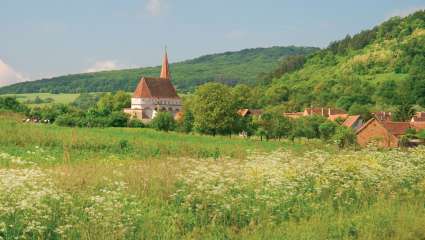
x: 45, y: 38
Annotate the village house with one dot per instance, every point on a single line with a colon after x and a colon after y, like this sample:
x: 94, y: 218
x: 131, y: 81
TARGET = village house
x: 331, y: 113
x: 386, y: 133
x: 382, y: 116
x: 419, y: 117
x: 355, y: 122
x: 153, y: 95
x: 250, y: 112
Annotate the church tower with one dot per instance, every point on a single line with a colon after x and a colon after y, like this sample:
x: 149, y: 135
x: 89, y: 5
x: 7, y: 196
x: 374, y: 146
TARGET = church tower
x: 165, y: 70
x: 155, y: 94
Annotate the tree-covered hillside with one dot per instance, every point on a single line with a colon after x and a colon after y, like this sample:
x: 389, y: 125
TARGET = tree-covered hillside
x: 230, y: 67
x: 380, y: 67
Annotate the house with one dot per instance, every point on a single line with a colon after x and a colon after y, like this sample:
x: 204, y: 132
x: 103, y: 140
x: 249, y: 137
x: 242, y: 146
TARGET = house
x: 355, y: 122
x: 386, y: 133
x: 324, y: 112
x: 293, y: 115
x: 382, y: 116
x: 153, y: 95
x: 250, y: 112
x: 419, y: 117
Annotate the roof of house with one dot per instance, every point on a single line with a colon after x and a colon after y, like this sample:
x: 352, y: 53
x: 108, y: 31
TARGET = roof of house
x: 149, y: 87
x: 245, y: 111
x: 351, y: 120
x: 396, y: 128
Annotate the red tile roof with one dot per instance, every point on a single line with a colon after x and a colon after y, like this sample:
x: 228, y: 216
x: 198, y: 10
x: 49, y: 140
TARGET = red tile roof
x: 165, y: 70
x: 396, y: 128
x: 350, y: 121
x: 149, y: 87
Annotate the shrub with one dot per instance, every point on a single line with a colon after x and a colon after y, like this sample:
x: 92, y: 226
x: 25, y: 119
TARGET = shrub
x: 135, y: 123
x: 327, y: 130
x: 344, y: 137
x: 164, y: 121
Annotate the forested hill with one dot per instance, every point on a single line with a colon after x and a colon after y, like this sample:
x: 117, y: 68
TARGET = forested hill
x: 230, y: 67
x: 378, y: 67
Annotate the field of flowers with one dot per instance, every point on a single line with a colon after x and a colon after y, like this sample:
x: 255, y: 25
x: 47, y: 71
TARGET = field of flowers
x: 366, y: 194
x: 288, y: 192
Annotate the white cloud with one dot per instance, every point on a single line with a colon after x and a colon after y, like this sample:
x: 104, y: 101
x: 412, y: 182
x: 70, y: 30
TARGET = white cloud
x: 8, y: 75
x: 406, y: 12
x: 103, y: 66
x: 155, y: 7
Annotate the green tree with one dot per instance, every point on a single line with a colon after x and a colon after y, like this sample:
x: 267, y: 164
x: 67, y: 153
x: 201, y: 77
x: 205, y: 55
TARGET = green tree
x: 344, y: 137
x: 163, y: 121
x: 121, y: 100
x: 214, y: 109
x: 362, y: 110
x: 327, y: 130
x: 404, y: 112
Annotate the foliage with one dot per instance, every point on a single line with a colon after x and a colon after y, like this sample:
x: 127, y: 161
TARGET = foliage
x: 369, y: 68
x: 229, y: 68
x: 186, y: 124
x: 345, y: 137
x: 163, y: 121
x: 404, y: 112
x: 327, y: 130
x: 85, y: 101
x: 214, y: 110
x: 10, y: 103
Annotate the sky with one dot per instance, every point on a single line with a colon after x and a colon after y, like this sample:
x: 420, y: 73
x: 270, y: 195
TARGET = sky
x: 47, y: 38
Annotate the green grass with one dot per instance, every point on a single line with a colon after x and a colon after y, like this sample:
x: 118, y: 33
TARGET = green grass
x: 64, y: 98
x: 66, y: 183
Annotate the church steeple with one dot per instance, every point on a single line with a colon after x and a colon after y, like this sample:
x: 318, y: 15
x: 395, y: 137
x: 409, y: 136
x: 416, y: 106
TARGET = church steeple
x: 165, y: 71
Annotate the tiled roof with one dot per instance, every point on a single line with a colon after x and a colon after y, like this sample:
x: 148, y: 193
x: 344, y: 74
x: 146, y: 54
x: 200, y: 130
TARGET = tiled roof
x: 396, y: 128
x: 165, y: 70
x: 155, y: 88
x: 350, y: 121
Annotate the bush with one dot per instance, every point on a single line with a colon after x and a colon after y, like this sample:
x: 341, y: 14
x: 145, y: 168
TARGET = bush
x: 68, y: 120
x: 135, y: 123
x: 164, y: 121
x: 345, y: 137
x: 327, y: 130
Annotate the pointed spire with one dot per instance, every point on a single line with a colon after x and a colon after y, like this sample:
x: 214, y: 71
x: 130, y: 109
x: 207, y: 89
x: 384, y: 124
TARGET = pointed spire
x: 165, y: 71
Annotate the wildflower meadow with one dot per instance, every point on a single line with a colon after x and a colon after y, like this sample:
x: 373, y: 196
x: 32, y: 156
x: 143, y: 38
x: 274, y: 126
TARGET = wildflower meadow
x: 283, y: 191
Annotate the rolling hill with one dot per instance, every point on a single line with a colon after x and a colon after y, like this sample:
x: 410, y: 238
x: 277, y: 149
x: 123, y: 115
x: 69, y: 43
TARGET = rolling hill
x: 375, y: 67
x: 229, y: 67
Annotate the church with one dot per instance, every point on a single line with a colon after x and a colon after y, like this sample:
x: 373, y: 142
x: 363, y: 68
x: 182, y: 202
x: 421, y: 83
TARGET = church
x: 153, y: 95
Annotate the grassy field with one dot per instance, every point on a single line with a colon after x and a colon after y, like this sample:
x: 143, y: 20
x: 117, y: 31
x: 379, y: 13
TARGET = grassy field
x: 63, y: 183
x: 64, y: 98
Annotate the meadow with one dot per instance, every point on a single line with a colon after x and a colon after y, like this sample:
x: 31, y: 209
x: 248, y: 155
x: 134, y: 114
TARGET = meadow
x: 113, y: 183
x: 64, y: 98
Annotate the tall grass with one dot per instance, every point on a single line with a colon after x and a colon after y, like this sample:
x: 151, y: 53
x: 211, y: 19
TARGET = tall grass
x: 61, y: 183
